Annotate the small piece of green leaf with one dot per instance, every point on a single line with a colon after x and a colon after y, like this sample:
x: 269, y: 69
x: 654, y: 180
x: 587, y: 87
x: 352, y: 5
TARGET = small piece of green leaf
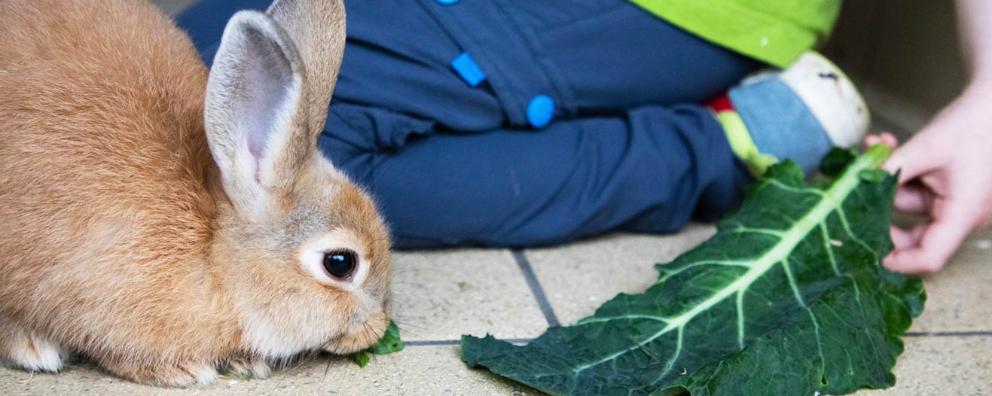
x: 361, y: 358
x: 788, y: 298
x: 389, y: 343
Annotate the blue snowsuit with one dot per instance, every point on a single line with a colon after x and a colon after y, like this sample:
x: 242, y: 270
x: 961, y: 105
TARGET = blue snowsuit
x: 521, y: 123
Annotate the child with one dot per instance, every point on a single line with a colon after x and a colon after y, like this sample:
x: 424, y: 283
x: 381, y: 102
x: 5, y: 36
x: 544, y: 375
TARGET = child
x: 520, y: 123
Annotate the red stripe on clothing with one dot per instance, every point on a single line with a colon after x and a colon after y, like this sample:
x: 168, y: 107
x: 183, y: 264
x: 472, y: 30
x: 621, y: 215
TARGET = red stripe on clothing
x: 721, y: 104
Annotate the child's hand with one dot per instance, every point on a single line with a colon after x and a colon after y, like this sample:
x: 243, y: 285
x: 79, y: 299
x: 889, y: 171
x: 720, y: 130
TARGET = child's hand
x: 946, y: 174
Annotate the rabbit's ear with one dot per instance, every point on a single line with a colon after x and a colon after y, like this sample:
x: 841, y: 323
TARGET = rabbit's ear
x: 265, y: 107
x: 317, y: 28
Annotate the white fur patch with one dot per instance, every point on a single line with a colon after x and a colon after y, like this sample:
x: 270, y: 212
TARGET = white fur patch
x: 201, y: 375
x: 206, y: 375
x: 280, y: 335
x: 35, y: 354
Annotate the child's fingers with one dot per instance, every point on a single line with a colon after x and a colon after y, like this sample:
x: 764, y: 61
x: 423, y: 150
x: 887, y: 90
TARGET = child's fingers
x: 889, y: 139
x: 885, y: 138
x: 938, y: 242
x: 913, y: 198
x: 901, y: 238
x: 870, y: 140
x: 913, y: 160
x: 906, y: 239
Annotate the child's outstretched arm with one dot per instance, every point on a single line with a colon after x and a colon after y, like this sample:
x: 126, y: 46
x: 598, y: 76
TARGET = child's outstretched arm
x: 947, y: 167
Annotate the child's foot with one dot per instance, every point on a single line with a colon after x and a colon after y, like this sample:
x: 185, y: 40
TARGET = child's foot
x: 798, y: 114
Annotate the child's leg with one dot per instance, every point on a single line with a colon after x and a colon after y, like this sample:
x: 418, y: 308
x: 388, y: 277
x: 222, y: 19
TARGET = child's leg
x: 614, y: 154
x: 648, y: 170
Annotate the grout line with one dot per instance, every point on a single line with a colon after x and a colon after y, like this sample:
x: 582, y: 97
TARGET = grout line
x: 949, y: 334
x: 416, y: 343
x: 431, y: 342
x: 535, y: 287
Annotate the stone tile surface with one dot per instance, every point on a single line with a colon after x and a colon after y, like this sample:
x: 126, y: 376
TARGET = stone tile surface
x: 958, y: 296
x: 419, y: 370
x: 930, y: 366
x: 579, y: 277
x: 943, y: 366
x: 442, y: 295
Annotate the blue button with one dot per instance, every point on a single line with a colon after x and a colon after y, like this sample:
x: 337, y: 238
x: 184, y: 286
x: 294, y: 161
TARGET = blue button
x: 540, y: 111
x: 469, y: 71
x: 447, y: 2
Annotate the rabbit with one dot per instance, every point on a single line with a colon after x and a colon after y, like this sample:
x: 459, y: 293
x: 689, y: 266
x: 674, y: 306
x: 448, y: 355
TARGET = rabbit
x: 170, y: 223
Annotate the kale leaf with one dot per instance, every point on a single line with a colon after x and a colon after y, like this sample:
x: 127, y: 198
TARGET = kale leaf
x: 389, y: 343
x: 788, y: 298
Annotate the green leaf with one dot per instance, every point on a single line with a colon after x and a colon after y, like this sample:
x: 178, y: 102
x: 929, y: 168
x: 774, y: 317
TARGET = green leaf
x: 788, y: 298
x: 873, y: 175
x: 389, y: 343
x: 836, y: 161
x: 361, y: 358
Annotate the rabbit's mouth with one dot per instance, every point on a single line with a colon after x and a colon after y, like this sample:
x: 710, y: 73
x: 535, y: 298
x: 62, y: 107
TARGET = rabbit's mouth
x: 361, y: 337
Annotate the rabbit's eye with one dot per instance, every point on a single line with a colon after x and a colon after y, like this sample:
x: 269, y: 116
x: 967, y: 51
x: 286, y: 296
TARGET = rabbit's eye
x: 340, y: 263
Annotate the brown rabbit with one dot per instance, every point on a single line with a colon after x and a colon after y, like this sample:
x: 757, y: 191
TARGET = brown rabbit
x: 168, y: 227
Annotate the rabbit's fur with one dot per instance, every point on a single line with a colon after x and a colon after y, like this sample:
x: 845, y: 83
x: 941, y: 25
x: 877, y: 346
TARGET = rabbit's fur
x: 164, y: 226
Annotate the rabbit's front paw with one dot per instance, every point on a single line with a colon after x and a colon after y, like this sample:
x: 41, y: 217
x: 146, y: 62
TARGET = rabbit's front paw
x: 178, y: 375
x: 247, y: 368
x: 29, y: 351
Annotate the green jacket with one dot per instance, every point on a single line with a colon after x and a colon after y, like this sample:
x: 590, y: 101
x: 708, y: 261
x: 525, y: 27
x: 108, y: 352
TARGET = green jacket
x: 773, y: 31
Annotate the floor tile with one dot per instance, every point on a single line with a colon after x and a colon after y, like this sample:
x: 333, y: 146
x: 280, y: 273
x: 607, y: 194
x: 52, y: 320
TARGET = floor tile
x: 958, y: 296
x: 930, y: 366
x: 442, y: 295
x: 578, y: 278
x: 422, y: 370
x: 943, y: 366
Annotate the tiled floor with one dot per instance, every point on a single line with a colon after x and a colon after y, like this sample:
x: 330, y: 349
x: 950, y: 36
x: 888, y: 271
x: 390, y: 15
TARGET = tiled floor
x: 516, y: 295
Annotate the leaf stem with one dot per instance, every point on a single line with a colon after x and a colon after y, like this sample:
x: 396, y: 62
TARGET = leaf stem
x: 877, y: 155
